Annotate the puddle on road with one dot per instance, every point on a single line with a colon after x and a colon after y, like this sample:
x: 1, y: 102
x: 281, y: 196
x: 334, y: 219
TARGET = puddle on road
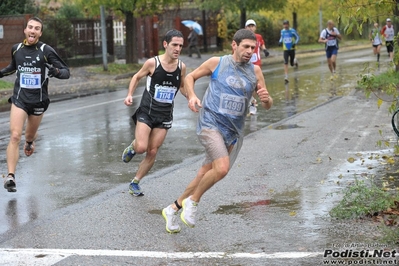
x: 380, y: 168
x: 286, y: 126
x: 287, y: 201
x: 157, y: 212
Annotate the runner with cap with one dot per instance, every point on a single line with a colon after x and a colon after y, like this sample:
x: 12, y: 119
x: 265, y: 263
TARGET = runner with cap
x: 388, y: 32
x: 256, y: 58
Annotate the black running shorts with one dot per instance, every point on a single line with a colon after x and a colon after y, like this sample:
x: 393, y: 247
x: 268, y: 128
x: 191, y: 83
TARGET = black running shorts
x: 31, y: 108
x: 152, y: 121
x: 389, y: 46
x: 291, y: 55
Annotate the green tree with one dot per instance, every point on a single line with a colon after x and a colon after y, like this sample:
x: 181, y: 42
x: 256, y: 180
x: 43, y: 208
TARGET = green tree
x: 12, y: 7
x: 130, y: 9
x: 244, y: 6
x: 356, y: 13
x: 69, y: 10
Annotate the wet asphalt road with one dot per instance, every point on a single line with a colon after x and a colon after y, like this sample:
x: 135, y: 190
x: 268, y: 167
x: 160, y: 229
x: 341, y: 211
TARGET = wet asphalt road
x: 72, y: 193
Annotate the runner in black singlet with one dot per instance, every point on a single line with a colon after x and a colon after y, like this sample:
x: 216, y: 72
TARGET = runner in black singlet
x: 34, y: 62
x: 165, y: 76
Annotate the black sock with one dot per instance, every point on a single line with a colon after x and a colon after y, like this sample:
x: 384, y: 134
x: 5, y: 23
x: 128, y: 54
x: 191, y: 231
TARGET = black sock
x: 177, y: 205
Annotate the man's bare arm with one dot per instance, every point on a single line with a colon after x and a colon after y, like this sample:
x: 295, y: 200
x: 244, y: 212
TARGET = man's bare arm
x: 203, y: 70
x: 145, y: 70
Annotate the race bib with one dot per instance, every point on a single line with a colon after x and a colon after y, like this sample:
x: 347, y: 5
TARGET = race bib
x: 287, y: 40
x: 30, y: 81
x: 232, y: 104
x: 332, y: 42
x: 164, y: 94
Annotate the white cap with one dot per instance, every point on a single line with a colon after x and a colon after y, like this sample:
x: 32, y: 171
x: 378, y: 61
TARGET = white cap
x: 388, y: 19
x: 250, y: 22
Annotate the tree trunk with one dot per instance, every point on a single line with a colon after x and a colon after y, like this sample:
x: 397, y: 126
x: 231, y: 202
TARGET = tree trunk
x: 243, y: 17
x: 131, y: 39
x: 295, y: 20
x: 205, y: 36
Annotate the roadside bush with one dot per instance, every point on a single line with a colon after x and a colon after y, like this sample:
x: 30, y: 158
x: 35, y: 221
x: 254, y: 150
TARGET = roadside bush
x: 360, y: 200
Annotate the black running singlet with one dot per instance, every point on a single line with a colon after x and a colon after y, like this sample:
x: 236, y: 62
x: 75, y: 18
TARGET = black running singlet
x: 29, y: 63
x: 161, y: 90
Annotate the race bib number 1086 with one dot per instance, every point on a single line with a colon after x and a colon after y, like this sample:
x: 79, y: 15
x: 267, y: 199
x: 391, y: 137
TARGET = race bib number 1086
x: 232, y: 104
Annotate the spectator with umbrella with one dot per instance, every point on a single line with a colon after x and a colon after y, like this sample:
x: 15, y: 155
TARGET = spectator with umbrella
x: 195, y: 29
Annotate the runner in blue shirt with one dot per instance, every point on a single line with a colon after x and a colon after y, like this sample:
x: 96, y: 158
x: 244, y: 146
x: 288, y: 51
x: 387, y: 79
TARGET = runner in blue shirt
x: 288, y: 39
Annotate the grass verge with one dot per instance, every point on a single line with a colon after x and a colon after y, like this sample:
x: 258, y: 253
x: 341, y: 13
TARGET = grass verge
x: 5, y: 85
x: 361, y: 200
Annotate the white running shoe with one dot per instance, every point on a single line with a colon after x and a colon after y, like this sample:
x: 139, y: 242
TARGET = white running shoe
x: 170, y: 216
x: 189, y: 211
x: 286, y: 78
x: 295, y: 63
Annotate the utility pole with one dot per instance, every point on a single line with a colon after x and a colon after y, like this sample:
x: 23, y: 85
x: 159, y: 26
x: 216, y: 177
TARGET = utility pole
x: 104, y: 38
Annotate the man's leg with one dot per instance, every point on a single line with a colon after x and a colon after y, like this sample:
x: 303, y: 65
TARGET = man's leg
x: 139, y: 144
x: 292, y: 57
x: 198, y: 51
x: 286, y: 65
x: 330, y: 64
x: 189, y: 50
x: 378, y: 49
x: 193, y: 184
x: 156, y: 139
x: 170, y: 213
x: 17, y: 120
x: 333, y: 62
x: 31, y: 133
x: 220, y: 168
x: 142, y: 137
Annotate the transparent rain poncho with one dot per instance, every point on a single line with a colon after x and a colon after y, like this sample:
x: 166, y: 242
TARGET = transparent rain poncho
x: 221, y: 120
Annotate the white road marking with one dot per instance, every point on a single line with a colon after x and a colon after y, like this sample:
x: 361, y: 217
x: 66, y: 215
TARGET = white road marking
x: 51, y: 256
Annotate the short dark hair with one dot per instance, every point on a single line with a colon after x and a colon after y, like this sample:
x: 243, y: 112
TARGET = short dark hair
x: 172, y: 33
x: 35, y: 19
x: 243, y: 34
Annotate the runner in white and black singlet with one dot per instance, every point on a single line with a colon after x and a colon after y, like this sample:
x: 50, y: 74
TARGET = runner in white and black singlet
x: 389, y: 33
x: 165, y: 76
x: 33, y: 62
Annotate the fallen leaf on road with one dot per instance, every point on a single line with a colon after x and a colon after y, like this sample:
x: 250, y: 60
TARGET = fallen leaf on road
x: 351, y: 160
x: 292, y: 213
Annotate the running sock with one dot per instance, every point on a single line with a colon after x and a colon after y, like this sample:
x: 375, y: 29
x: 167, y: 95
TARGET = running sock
x: 135, y: 180
x: 177, y: 205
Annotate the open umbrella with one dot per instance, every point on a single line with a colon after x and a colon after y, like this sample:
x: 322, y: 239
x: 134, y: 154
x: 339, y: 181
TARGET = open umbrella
x: 190, y: 23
